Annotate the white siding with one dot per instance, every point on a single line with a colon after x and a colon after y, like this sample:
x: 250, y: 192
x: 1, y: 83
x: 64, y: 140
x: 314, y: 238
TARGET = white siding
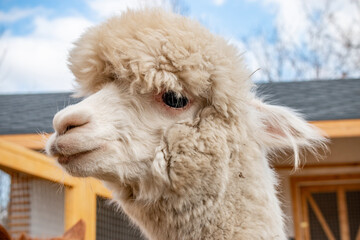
x: 47, y: 209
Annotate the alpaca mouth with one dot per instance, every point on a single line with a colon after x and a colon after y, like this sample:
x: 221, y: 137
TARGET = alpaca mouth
x: 65, y: 159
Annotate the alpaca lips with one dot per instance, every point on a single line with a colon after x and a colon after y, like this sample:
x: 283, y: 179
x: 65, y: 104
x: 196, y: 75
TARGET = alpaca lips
x: 62, y: 159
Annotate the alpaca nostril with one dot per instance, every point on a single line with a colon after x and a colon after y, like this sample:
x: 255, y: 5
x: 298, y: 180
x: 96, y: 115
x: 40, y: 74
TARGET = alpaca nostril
x: 69, y: 122
x: 71, y: 126
x: 71, y: 118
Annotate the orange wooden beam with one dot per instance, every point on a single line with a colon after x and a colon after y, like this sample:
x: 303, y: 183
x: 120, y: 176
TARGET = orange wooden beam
x: 32, y: 141
x: 320, y: 217
x: 80, y: 203
x: 80, y: 194
x: 339, y: 128
x: 21, y: 159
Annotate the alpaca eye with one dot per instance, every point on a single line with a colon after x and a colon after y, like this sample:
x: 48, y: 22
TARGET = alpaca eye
x: 174, y: 100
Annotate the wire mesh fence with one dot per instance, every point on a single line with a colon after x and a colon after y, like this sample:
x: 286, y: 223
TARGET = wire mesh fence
x: 35, y: 207
x: 31, y: 205
x: 112, y: 224
x: 353, y: 206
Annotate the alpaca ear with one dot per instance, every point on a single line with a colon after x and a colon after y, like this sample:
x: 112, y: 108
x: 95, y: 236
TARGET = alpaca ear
x: 4, y: 235
x: 285, y: 129
x: 76, y: 232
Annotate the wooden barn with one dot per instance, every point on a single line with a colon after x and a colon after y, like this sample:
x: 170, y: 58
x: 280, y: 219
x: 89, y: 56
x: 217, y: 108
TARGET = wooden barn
x: 320, y: 201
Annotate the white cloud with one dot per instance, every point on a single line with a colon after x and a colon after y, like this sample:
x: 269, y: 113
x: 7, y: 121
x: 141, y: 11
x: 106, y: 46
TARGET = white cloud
x: 218, y: 2
x: 16, y: 14
x: 60, y: 29
x: 249, y: 58
x: 293, y: 20
x: 108, y: 8
x: 318, y: 37
x: 37, y: 62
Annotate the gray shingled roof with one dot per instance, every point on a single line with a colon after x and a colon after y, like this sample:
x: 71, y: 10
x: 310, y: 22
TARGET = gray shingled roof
x: 317, y: 100
x: 30, y: 113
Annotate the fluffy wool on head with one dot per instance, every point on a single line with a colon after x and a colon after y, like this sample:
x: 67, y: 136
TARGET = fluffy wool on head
x: 199, y: 171
x: 157, y: 50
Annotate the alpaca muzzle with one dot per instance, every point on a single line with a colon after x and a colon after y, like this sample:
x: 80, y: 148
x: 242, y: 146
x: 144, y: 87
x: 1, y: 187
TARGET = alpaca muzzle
x: 70, y: 124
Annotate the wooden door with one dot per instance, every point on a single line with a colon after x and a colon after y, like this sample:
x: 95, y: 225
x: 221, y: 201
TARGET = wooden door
x: 330, y: 212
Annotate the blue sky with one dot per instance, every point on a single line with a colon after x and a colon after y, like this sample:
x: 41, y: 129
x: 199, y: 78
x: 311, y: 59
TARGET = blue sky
x: 37, y: 34
x: 237, y: 18
x: 50, y: 9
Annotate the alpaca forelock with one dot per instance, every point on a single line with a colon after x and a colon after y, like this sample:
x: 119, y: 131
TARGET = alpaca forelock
x: 171, y: 123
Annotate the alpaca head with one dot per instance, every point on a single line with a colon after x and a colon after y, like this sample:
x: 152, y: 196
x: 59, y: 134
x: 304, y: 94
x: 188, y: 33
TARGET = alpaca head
x: 159, y: 86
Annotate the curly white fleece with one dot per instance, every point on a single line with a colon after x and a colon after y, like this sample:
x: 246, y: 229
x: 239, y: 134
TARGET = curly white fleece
x: 200, y: 173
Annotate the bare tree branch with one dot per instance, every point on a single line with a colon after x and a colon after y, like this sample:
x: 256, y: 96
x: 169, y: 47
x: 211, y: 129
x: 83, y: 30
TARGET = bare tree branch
x: 327, y: 48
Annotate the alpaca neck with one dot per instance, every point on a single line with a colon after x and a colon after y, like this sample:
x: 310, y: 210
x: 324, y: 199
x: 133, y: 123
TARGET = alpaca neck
x: 248, y: 209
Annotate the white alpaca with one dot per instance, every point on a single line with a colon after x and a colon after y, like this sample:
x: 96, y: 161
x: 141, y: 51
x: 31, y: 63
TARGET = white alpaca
x: 173, y: 128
